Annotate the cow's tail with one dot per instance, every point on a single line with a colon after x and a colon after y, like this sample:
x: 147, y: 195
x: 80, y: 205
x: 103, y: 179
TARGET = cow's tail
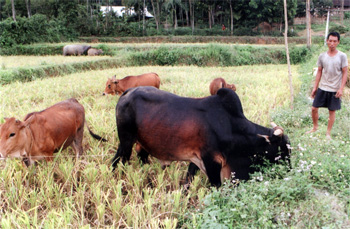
x: 95, y: 135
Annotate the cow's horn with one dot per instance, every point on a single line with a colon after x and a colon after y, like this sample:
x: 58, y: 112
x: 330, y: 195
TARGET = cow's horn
x: 273, y: 124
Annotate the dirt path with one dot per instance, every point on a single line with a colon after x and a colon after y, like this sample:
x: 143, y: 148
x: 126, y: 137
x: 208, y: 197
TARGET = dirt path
x: 318, y: 33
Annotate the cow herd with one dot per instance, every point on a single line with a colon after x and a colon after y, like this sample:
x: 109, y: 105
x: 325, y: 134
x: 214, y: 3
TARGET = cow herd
x: 211, y: 133
x: 78, y: 50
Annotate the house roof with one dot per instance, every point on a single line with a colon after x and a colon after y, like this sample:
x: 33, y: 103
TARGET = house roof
x: 121, y: 10
x: 337, y: 3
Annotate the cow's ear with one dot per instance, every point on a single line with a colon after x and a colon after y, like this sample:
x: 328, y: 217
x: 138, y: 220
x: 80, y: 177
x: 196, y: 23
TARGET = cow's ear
x: 264, y: 136
x: 114, y: 77
x: 20, y: 124
x: 27, y: 121
x: 278, y: 132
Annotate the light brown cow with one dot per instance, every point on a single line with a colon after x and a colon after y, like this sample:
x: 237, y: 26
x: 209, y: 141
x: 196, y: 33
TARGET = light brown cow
x: 116, y: 86
x: 45, y: 132
x: 75, y: 50
x: 94, y: 52
x: 218, y: 83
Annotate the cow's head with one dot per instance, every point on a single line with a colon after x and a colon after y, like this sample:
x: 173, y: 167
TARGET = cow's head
x: 231, y: 86
x: 112, y: 86
x: 99, y: 51
x: 13, y: 138
x: 278, y: 146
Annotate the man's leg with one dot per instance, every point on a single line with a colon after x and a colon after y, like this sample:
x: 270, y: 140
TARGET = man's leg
x: 331, y: 120
x: 314, y: 115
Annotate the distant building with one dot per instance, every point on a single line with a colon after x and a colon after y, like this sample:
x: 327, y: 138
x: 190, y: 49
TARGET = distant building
x: 121, y: 10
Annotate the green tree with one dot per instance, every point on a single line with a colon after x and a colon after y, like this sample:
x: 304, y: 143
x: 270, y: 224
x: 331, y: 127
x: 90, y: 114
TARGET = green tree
x: 272, y: 10
x: 172, y: 6
x: 156, y: 8
x: 320, y: 7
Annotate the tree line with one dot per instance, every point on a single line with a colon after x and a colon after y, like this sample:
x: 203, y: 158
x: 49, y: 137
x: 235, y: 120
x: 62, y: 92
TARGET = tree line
x: 68, y: 19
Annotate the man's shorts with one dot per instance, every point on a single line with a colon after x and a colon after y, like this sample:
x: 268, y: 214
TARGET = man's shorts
x: 326, y: 99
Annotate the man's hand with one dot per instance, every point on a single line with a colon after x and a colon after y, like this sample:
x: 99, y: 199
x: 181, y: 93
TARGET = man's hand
x: 313, y: 93
x: 339, y: 93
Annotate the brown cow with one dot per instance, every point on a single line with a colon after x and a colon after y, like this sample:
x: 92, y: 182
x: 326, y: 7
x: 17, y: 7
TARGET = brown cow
x: 116, y: 86
x: 45, y: 132
x: 218, y: 83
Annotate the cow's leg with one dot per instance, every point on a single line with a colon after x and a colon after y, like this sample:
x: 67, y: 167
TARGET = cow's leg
x: 141, y: 153
x: 213, y: 169
x: 123, y: 152
x: 77, y: 143
x: 127, y: 140
x: 77, y: 148
x: 192, y: 170
x: 127, y: 132
x: 240, y: 168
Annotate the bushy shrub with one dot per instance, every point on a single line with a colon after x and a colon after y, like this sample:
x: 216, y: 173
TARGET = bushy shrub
x: 128, y: 29
x: 183, y: 31
x: 298, y: 54
x: 216, y: 55
x: 244, y: 31
x: 32, y: 30
x: 7, y: 32
x: 105, y: 48
x: 34, y: 50
x: 346, y: 15
x: 339, y: 29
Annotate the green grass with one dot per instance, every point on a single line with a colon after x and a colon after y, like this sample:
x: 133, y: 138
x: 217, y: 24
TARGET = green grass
x: 8, y: 62
x: 84, y: 192
x: 29, y: 68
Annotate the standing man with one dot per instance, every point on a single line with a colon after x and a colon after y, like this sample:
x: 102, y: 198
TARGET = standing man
x: 223, y: 27
x: 330, y: 82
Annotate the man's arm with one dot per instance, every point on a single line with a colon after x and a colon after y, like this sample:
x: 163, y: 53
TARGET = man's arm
x: 317, y: 81
x: 343, y: 82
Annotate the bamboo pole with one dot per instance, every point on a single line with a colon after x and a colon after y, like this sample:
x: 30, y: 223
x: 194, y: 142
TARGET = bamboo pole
x: 308, y: 25
x: 287, y: 54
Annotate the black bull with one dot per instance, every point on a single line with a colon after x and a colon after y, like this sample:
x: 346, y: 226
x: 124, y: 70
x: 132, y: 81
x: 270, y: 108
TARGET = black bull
x: 212, y: 133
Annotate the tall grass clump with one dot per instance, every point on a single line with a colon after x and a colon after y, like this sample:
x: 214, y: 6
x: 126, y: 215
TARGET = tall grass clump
x: 198, y: 55
x: 27, y: 74
x: 34, y: 50
x: 216, y: 55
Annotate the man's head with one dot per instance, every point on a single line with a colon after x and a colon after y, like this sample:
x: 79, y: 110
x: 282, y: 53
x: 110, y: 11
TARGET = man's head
x: 333, y: 39
x: 334, y: 34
